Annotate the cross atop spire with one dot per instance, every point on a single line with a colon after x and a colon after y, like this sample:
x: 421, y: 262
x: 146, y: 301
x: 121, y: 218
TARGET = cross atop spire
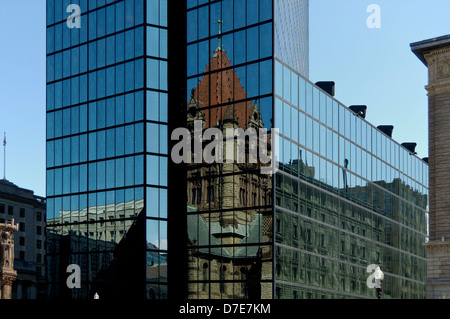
x: 220, y: 22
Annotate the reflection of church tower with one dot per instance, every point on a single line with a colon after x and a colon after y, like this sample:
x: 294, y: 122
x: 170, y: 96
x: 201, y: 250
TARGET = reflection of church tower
x: 232, y: 199
x: 234, y: 188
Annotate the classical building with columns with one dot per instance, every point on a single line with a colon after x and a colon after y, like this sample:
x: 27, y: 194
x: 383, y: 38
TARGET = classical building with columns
x: 435, y: 54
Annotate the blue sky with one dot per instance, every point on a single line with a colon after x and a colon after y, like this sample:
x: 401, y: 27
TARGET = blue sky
x: 22, y: 92
x: 374, y: 67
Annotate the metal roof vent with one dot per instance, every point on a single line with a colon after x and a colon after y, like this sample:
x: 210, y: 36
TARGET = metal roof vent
x: 410, y: 147
x: 386, y: 129
x: 327, y: 86
x: 360, y: 110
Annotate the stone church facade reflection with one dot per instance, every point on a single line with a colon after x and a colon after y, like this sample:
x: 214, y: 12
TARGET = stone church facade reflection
x: 229, y: 204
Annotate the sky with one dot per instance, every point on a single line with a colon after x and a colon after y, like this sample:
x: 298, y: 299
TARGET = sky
x: 375, y: 66
x: 22, y: 92
x: 371, y: 66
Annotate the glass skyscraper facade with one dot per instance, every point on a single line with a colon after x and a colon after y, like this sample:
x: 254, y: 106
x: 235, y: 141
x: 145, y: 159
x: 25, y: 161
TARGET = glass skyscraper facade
x: 107, y: 114
x: 291, y: 35
x: 346, y: 195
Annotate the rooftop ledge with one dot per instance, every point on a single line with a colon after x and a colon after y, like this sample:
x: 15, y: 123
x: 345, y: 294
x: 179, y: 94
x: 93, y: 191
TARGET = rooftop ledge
x: 423, y: 47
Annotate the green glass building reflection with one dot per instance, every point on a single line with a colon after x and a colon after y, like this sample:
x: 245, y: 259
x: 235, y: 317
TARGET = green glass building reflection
x: 347, y: 196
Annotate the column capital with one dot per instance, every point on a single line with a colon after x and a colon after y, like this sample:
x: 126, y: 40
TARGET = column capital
x: 8, y: 279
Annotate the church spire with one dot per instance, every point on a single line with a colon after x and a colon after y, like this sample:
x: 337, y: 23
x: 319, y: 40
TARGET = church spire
x: 220, y: 22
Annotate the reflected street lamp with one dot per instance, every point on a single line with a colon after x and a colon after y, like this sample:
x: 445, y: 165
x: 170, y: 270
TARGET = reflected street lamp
x: 379, y: 276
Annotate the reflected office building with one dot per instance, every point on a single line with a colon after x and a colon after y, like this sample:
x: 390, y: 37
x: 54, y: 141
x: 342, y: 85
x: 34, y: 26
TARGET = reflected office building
x: 139, y: 225
x: 347, y: 196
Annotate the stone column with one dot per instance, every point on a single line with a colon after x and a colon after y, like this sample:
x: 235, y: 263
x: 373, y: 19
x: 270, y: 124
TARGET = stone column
x: 435, y: 54
x: 7, y: 282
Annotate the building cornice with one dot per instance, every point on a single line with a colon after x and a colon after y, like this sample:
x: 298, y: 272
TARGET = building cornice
x: 423, y: 48
x: 436, y: 52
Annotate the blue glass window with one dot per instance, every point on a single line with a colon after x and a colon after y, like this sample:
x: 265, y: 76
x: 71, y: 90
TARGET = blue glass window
x: 129, y: 13
x: 120, y: 169
x: 83, y: 149
x: 139, y: 74
x: 153, y: 173
x: 129, y: 139
x: 110, y: 81
x: 153, y: 138
x: 75, y: 61
x: 101, y: 53
x: 75, y: 149
x: 75, y: 91
x: 92, y: 25
x: 101, y: 114
x: 129, y: 76
x: 120, y: 47
x: 101, y: 22
x: 152, y: 105
x: 58, y: 37
x: 163, y: 13
x: 139, y: 140
x: 265, y: 10
x: 110, y: 19
x: 50, y: 40
x: 110, y: 143
x: 58, y: 152
x: 129, y: 44
x: 120, y: 110
x: 239, y: 14
x: 203, y: 22
x: 252, y: 44
x: 120, y: 78
x: 101, y: 83
x: 152, y: 74
x: 120, y: 141
x: 58, y: 66
x: 58, y: 181
x: 120, y: 16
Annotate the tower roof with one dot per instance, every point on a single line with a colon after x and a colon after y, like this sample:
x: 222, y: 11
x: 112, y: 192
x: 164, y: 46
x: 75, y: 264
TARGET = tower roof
x: 222, y: 86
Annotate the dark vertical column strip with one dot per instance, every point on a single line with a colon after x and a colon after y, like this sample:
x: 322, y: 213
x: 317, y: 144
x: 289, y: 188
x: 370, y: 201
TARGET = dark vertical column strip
x: 177, y: 195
